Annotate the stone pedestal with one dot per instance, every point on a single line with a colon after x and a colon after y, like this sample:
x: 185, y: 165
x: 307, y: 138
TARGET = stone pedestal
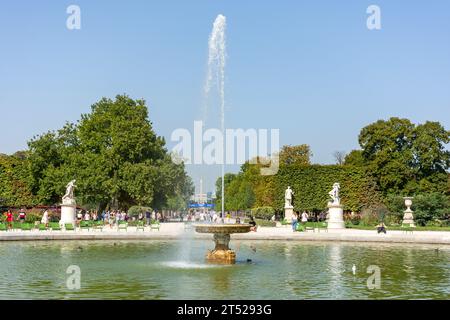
x: 288, y: 213
x: 336, y: 216
x: 68, y: 213
x: 408, y: 218
x: 222, y: 254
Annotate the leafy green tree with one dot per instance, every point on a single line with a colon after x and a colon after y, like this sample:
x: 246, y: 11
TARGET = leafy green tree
x: 299, y: 155
x: 15, y: 175
x: 405, y: 158
x: 355, y: 158
x: 113, y: 153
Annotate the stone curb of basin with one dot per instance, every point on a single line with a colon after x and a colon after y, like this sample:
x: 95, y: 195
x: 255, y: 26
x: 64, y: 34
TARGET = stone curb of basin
x: 176, y: 231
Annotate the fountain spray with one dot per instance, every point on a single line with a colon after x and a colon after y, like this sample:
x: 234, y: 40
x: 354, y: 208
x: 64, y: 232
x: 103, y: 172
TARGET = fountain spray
x: 216, y: 72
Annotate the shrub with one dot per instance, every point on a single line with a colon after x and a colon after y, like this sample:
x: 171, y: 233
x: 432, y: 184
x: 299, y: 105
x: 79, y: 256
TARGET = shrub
x: 369, y: 217
x: 136, y: 210
x: 264, y: 213
x: 429, y: 207
x: 33, y: 216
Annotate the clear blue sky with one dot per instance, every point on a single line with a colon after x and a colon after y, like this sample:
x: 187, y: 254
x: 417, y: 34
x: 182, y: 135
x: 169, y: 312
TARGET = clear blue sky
x: 310, y: 68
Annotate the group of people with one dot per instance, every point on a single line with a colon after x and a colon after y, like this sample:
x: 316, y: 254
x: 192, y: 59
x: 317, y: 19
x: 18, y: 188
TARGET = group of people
x: 114, y: 217
x: 295, y: 218
x: 201, y: 216
x: 21, y: 217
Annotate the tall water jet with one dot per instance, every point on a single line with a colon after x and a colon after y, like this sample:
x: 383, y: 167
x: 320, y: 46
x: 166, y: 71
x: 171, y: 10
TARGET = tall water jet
x: 216, y: 73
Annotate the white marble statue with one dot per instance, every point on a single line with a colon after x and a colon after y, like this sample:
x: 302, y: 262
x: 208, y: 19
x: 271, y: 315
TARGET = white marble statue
x: 69, y: 198
x: 288, y: 197
x: 334, y: 194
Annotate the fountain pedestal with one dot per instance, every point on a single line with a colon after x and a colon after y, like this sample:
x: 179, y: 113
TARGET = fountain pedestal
x: 222, y: 254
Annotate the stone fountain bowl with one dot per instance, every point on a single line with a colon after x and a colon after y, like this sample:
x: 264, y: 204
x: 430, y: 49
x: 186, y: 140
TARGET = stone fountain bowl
x: 222, y: 228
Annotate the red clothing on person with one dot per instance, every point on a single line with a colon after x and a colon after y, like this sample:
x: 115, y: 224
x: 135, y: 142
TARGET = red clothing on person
x: 9, y: 217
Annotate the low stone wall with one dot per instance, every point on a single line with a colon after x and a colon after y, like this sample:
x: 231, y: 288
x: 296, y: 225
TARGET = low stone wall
x: 177, y: 231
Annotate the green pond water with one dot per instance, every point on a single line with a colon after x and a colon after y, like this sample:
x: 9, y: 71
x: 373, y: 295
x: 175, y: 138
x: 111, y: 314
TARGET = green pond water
x: 176, y: 270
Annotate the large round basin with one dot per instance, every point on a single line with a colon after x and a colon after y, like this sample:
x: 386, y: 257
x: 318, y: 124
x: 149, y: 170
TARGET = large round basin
x: 222, y: 228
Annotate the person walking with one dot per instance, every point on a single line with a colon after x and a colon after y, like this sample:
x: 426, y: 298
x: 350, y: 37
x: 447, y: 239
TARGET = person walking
x: 9, y: 219
x: 304, y: 217
x: 148, y: 216
x: 294, y: 221
x: 22, y: 215
x: 44, y: 219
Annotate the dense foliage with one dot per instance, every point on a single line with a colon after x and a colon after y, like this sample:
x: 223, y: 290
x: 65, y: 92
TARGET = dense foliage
x: 397, y: 158
x: 112, y: 152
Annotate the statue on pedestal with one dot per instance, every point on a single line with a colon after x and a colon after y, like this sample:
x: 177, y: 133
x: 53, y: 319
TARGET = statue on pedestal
x: 335, y: 209
x: 69, y: 198
x: 334, y: 194
x: 288, y: 194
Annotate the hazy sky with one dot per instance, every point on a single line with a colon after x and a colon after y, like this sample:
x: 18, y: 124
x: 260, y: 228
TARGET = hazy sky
x: 309, y: 68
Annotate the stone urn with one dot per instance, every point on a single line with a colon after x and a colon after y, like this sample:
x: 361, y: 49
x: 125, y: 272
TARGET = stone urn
x: 408, y: 217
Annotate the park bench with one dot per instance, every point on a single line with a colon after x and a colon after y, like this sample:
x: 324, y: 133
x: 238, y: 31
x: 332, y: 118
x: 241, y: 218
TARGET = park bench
x: 322, y: 226
x: 85, y: 225
x: 123, y: 225
x: 27, y: 226
x: 69, y: 227
x: 17, y: 226
x: 310, y: 227
x: 406, y: 227
x: 54, y: 226
x: 98, y: 225
x: 154, y: 225
x: 140, y: 226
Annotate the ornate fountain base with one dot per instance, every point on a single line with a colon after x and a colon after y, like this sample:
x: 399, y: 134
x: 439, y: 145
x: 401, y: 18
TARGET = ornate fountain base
x: 222, y: 253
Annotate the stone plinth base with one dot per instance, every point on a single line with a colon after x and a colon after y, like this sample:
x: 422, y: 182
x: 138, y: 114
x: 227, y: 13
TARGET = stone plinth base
x: 221, y: 256
x: 68, y: 213
x: 288, y: 213
x: 336, y: 217
x: 408, y: 218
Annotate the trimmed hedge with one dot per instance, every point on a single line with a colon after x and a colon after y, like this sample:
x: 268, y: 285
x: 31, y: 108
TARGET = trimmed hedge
x: 311, y: 185
x: 265, y: 213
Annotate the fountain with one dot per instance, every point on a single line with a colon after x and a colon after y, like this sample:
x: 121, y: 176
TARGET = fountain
x: 222, y: 253
x: 216, y: 67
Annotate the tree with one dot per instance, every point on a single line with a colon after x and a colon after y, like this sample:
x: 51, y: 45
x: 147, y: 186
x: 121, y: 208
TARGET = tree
x: 299, y: 155
x: 405, y: 158
x: 14, y: 181
x: 113, y: 153
x: 355, y: 158
x: 339, y: 157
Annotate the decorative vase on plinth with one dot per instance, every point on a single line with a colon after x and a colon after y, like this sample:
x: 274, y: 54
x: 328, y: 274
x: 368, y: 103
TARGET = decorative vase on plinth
x: 408, y: 217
